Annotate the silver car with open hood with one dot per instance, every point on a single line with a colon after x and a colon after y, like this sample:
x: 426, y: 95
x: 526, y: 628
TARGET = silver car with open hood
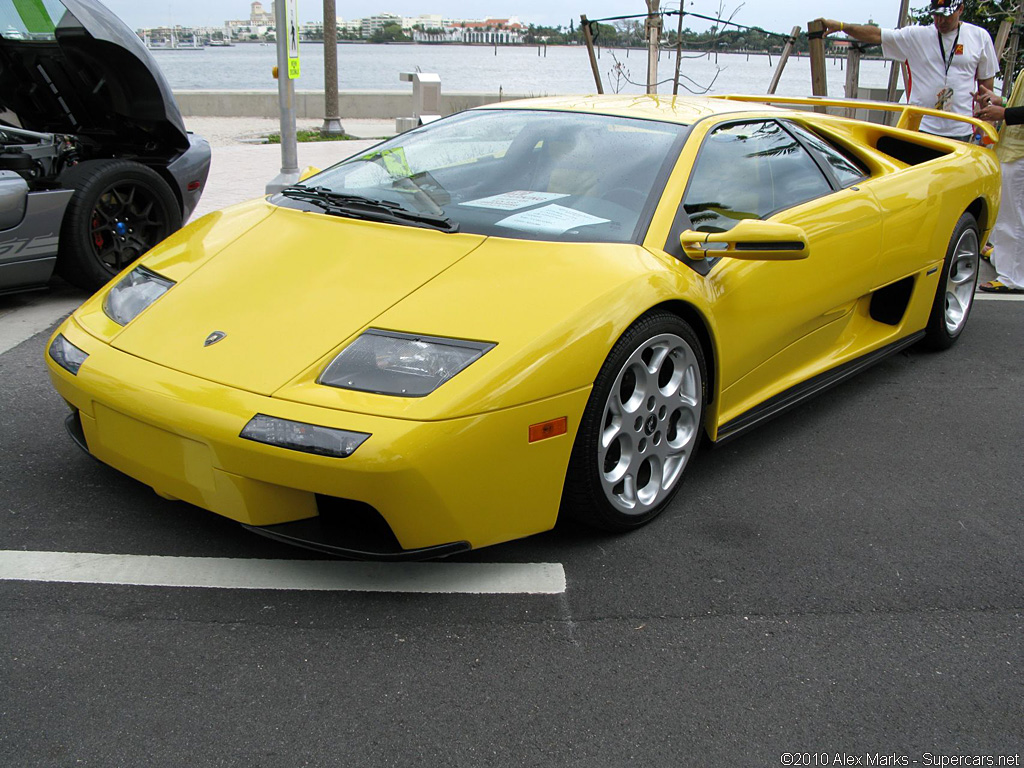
x: 96, y: 166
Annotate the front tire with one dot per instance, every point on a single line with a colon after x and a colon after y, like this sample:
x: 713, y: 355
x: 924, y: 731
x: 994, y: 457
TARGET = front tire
x: 641, y: 427
x: 955, y: 294
x: 119, y: 211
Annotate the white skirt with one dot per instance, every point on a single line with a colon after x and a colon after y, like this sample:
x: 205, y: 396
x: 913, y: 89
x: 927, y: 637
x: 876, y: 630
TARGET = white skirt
x: 1007, y: 236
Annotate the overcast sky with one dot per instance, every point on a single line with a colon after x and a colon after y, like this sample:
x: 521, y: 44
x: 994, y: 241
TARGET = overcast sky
x: 772, y: 15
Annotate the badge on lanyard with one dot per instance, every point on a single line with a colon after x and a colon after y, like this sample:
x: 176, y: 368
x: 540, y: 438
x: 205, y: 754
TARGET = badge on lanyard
x: 944, y: 98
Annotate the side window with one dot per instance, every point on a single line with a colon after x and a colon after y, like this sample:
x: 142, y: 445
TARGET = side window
x: 846, y: 170
x: 749, y: 171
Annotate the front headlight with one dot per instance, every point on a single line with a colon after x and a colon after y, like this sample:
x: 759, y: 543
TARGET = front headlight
x: 133, y: 293
x: 67, y: 355
x: 403, y: 364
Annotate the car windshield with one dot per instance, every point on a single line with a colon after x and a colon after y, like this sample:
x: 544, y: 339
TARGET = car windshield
x: 512, y: 173
x: 30, y: 20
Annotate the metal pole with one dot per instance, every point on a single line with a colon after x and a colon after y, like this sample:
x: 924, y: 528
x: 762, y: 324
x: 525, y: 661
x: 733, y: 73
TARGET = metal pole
x: 332, y: 120
x: 286, y: 100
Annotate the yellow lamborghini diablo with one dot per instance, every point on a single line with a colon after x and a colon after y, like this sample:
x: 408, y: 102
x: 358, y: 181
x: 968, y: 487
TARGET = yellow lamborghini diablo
x: 523, y: 310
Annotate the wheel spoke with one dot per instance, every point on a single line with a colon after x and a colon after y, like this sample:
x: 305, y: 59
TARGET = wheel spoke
x: 650, y: 424
x: 960, y: 281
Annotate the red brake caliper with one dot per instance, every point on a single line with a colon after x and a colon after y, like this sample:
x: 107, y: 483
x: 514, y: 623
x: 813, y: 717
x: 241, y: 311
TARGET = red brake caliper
x: 97, y: 237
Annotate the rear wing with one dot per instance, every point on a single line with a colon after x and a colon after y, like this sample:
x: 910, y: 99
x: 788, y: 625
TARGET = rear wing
x: 909, y: 115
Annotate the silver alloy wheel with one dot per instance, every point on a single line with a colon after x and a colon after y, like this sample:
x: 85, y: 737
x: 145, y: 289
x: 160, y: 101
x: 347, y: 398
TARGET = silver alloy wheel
x: 651, y: 424
x: 961, y: 280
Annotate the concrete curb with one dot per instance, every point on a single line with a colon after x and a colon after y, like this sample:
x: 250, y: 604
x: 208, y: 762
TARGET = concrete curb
x: 310, y: 104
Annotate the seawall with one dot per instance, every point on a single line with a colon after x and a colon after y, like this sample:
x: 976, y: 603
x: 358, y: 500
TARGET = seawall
x: 352, y: 104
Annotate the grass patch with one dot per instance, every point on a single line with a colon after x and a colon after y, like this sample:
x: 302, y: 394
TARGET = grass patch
x: 302, y: 136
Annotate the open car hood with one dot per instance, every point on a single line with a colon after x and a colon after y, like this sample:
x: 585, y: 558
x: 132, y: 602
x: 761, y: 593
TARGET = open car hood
x: 72, y: 66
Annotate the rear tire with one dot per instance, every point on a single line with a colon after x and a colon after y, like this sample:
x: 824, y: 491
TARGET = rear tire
x: 959, y: 279
x: 641, y: 427
x: 119, y: 211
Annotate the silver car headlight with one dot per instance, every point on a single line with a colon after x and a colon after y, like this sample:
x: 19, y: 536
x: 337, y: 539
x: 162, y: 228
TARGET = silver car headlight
x: 133, y: 293
x: 402, y: 364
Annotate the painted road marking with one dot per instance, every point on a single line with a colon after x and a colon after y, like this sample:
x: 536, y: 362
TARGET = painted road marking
x: 999, y: 296
x: 318, y: 575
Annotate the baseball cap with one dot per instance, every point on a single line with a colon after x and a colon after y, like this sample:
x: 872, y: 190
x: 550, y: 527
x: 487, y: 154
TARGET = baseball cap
x: 946, y: 7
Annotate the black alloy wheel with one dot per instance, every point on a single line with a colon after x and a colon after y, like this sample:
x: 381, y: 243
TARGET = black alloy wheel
x: 120, y: 210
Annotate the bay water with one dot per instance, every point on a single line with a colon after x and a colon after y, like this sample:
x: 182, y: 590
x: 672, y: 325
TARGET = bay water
x: 521, y: 70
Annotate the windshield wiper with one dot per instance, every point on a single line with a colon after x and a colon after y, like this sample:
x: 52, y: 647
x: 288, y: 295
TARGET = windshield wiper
x: 368, y: 209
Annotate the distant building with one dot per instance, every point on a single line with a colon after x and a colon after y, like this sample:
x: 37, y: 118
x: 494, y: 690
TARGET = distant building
x: 373, y: 24
x: 491, y: 31
x: 260, y: 18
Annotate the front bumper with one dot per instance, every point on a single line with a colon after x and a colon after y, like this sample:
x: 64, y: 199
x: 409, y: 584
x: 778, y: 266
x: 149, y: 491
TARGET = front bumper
x: 475, y: 480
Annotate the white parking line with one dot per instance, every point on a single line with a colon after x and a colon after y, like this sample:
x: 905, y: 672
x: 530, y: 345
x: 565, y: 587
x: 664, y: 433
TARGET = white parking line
x: 999, y: 296
x: 37, y: 314
x: 319, y: 575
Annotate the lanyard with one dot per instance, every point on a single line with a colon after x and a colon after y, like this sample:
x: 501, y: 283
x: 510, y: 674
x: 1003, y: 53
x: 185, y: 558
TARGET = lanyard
x: 948, y: 61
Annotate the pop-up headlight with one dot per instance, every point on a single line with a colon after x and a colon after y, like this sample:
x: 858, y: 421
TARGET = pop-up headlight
x: 133, y: 293
x: 66, y: 355
x: 403, y: 364
x: 297, y: 436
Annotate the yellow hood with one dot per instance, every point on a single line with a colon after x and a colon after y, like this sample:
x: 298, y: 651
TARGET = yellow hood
x: 285, y: 293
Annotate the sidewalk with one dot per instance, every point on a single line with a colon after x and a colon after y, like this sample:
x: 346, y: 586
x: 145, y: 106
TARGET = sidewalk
x: 241, y: 169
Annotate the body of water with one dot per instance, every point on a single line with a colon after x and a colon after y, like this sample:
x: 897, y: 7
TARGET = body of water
x: 512, y: 69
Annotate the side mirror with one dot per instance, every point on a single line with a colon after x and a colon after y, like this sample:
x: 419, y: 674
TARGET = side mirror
x: 309, y: 170
x: 750, y: 239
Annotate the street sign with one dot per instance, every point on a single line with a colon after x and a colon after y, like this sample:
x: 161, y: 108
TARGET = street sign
x: 292, y: 32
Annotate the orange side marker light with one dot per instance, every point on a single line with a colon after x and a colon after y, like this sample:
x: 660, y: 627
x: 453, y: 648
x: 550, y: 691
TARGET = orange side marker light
x: 546, y: 429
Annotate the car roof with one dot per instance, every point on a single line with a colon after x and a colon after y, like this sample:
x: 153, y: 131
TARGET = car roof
x: 676, y: 109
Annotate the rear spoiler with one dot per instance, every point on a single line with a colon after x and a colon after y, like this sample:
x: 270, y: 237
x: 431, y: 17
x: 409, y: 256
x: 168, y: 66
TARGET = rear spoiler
x: 909, y: 115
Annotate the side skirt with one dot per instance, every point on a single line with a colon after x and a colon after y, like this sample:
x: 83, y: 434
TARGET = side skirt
x: 783, y: 401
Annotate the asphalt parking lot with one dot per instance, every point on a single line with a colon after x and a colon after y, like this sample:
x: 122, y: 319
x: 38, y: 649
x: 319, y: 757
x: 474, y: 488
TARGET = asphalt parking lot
x: 847, y: 579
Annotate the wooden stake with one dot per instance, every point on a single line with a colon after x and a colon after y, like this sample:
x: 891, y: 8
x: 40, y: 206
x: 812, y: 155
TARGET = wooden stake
x: 590, y: 49
x: 853, y: 56
x: 653, y: 34
x: 819, y: 80
x: 897, y: 66
x: 786, y: 51
x: 1011, y: 58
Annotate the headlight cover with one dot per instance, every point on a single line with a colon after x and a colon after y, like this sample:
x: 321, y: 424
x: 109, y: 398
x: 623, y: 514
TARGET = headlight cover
x: 133, y: 293
x: 401, y: 364
x: 66, y: 355
x: 298, y: 436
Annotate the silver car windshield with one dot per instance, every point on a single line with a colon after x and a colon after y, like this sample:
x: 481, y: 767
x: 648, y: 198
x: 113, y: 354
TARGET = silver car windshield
x: 30, y: 20
x: 531, y: 174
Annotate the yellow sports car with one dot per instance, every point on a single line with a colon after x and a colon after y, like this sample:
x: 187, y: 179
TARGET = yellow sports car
x: 521, y: 311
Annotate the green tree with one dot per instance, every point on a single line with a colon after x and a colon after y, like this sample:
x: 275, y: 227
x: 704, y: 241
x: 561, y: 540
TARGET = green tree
x: 390, y: 33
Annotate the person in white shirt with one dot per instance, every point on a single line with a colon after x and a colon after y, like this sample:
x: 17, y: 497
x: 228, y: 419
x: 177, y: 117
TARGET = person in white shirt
x: 948, y: 61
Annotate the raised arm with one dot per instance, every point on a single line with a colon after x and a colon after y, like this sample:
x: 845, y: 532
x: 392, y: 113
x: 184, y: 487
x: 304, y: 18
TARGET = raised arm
x: 864, y: 33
